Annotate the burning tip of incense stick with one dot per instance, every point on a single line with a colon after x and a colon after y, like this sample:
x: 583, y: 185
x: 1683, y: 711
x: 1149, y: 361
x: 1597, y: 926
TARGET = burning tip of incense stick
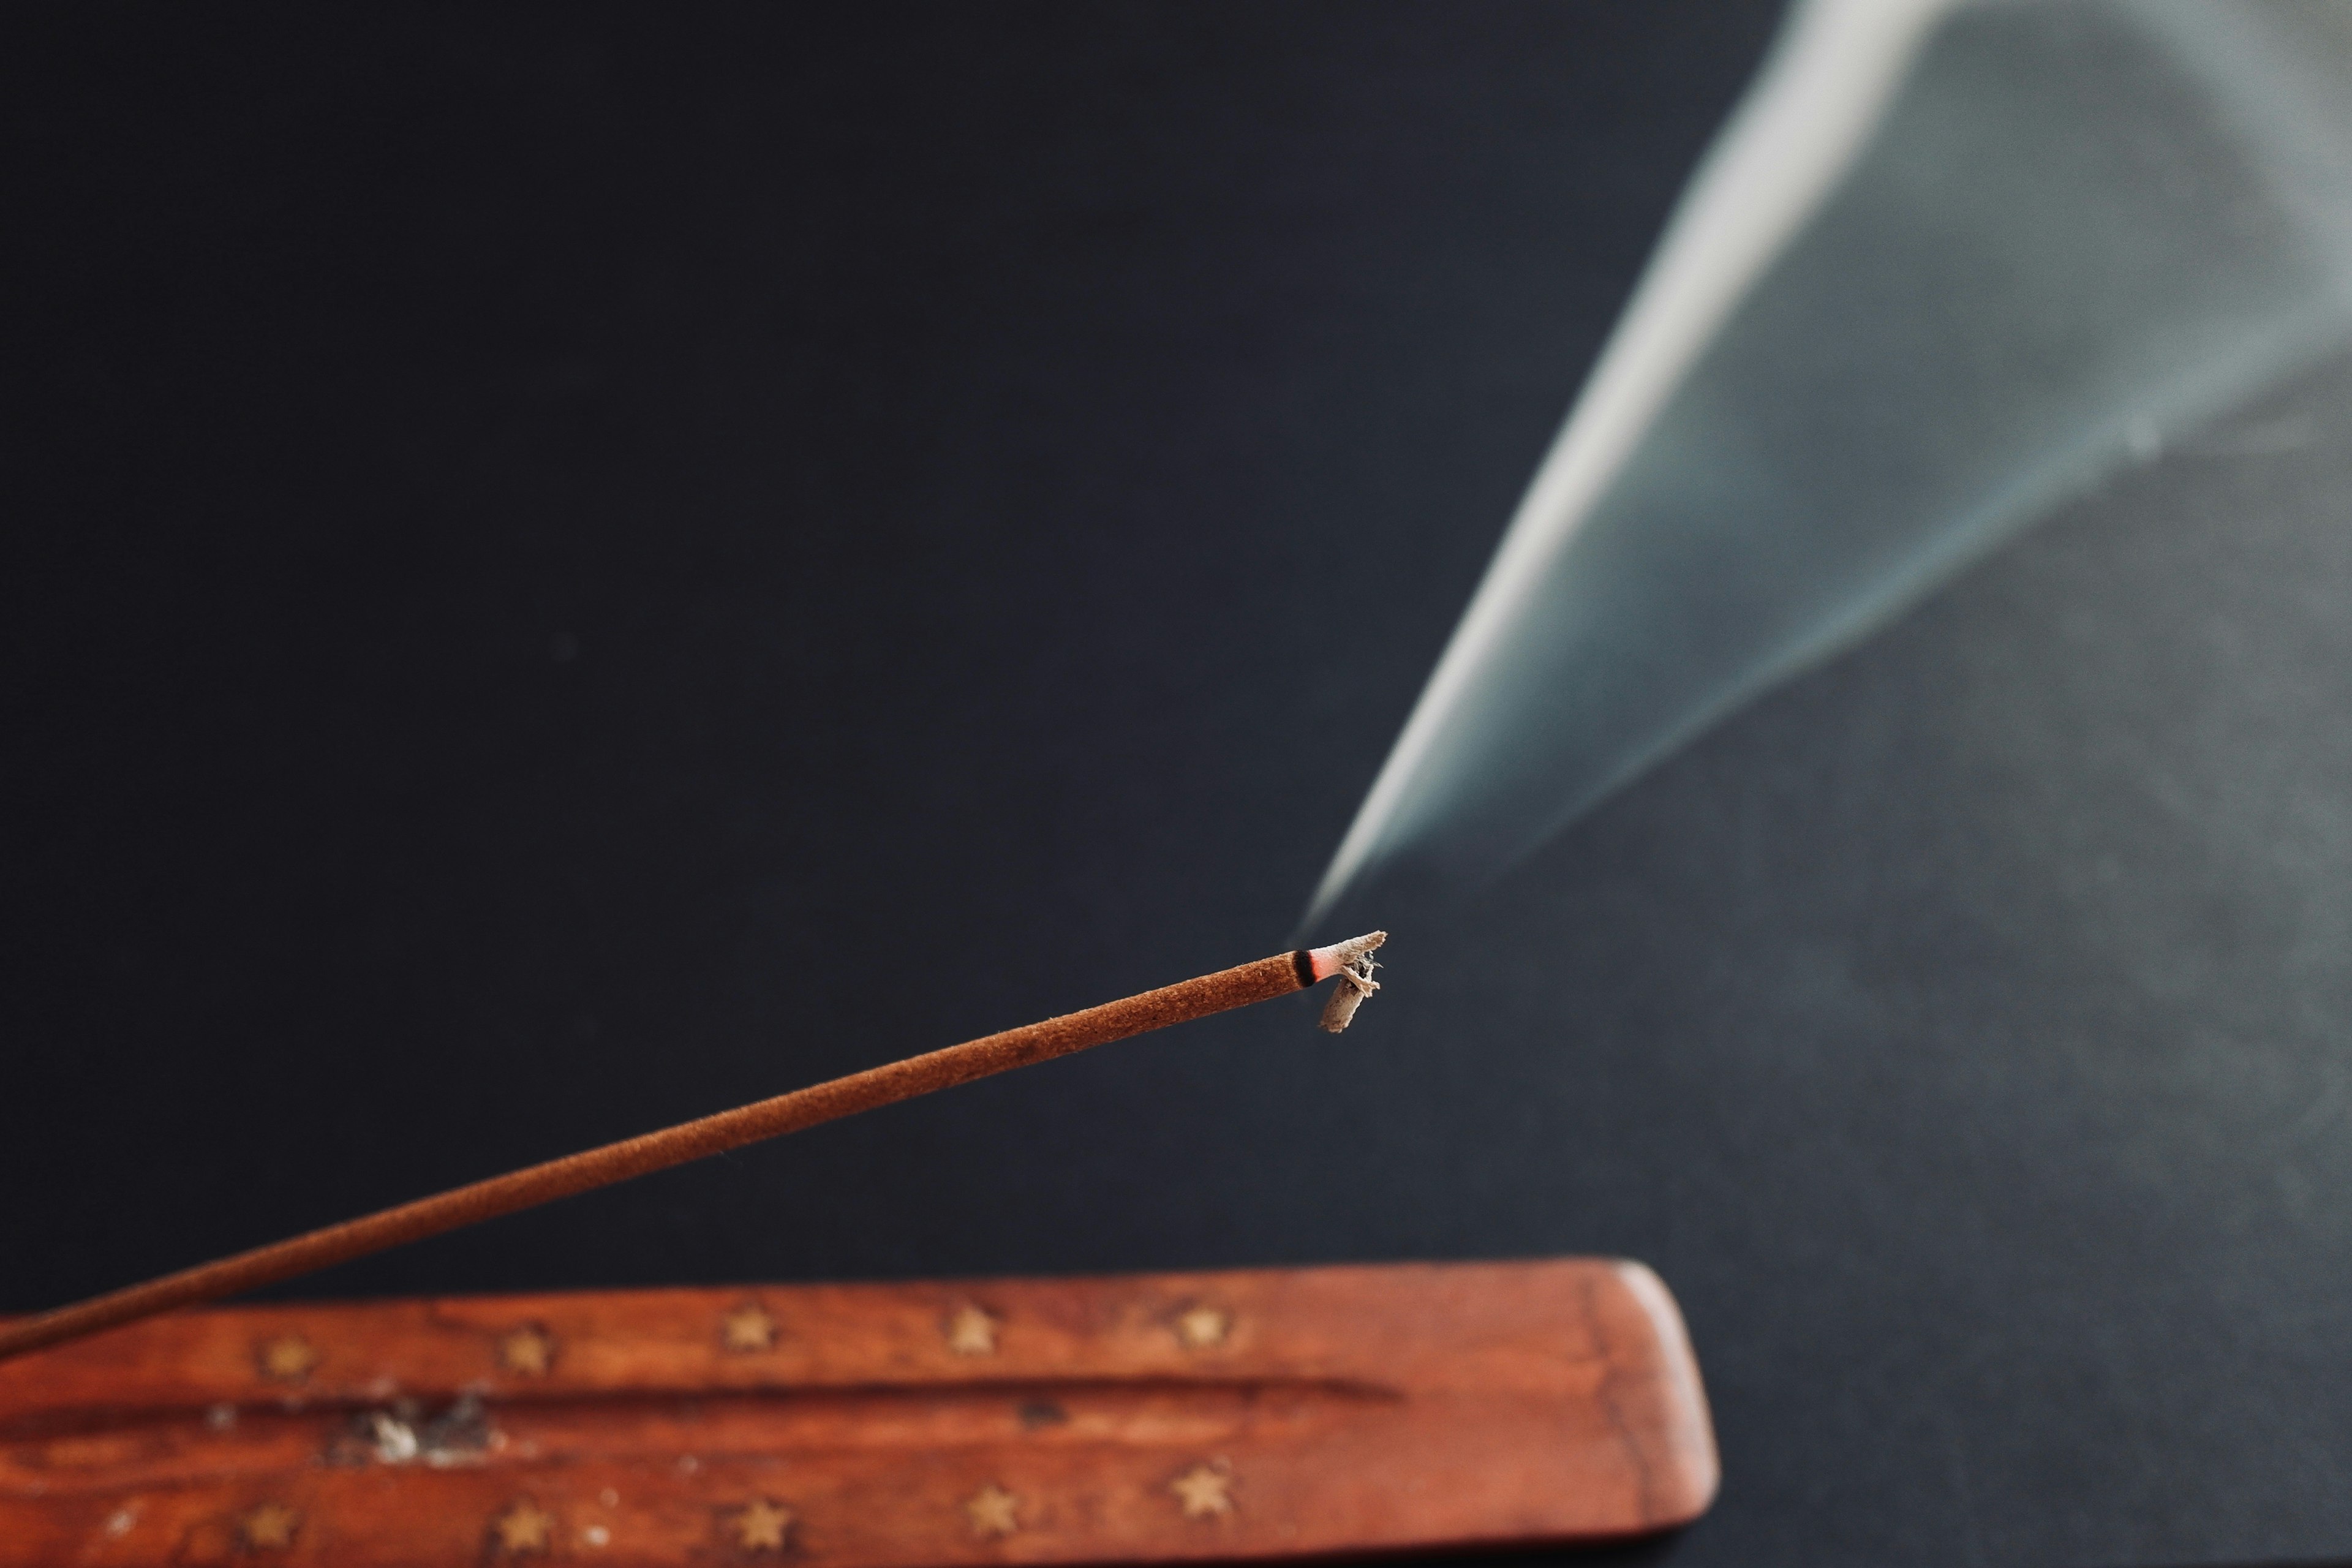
x: 1329, y: 960
x: 1351, y: 961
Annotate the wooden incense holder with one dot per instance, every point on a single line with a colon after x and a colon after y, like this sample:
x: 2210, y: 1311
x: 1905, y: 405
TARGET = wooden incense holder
x: 1157, y: 1418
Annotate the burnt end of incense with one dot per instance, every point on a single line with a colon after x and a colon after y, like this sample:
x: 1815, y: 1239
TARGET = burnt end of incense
x: 1351, y: 961
x: 1265, y: 979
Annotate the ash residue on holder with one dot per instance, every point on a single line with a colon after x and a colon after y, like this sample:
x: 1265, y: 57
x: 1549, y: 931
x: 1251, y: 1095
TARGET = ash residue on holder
x: 460, y: 1435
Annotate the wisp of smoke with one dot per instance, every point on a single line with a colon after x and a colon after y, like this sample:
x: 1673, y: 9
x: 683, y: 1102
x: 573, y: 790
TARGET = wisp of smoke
x: 1948, y: 263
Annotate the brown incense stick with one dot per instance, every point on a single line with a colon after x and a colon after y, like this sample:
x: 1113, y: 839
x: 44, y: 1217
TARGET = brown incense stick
x: 534, y: 1184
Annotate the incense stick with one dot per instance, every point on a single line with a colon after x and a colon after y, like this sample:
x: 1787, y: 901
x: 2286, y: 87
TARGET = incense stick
x: 535, y: 1184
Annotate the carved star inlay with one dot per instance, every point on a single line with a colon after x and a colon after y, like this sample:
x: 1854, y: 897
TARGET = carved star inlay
x: 525, y: 1527
x: 529, y: 1350
x: 288, y: 1358
x: 747, y: 1329
x: 269, y: 1528
x: 971, y: 1332
x: 1205, y: 1491
x: 1203, y: 1328
x: 993, y: 1512
x: 764, y: 1526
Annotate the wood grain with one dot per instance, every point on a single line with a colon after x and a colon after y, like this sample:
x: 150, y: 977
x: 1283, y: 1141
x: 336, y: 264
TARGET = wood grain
x: 1140, y: 1418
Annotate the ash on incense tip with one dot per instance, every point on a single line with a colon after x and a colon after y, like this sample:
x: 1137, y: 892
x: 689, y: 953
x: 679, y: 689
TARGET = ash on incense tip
x: 1351, y: 961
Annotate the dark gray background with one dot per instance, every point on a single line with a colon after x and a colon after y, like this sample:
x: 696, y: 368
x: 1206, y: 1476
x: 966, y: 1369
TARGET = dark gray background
x: 565, y: 576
